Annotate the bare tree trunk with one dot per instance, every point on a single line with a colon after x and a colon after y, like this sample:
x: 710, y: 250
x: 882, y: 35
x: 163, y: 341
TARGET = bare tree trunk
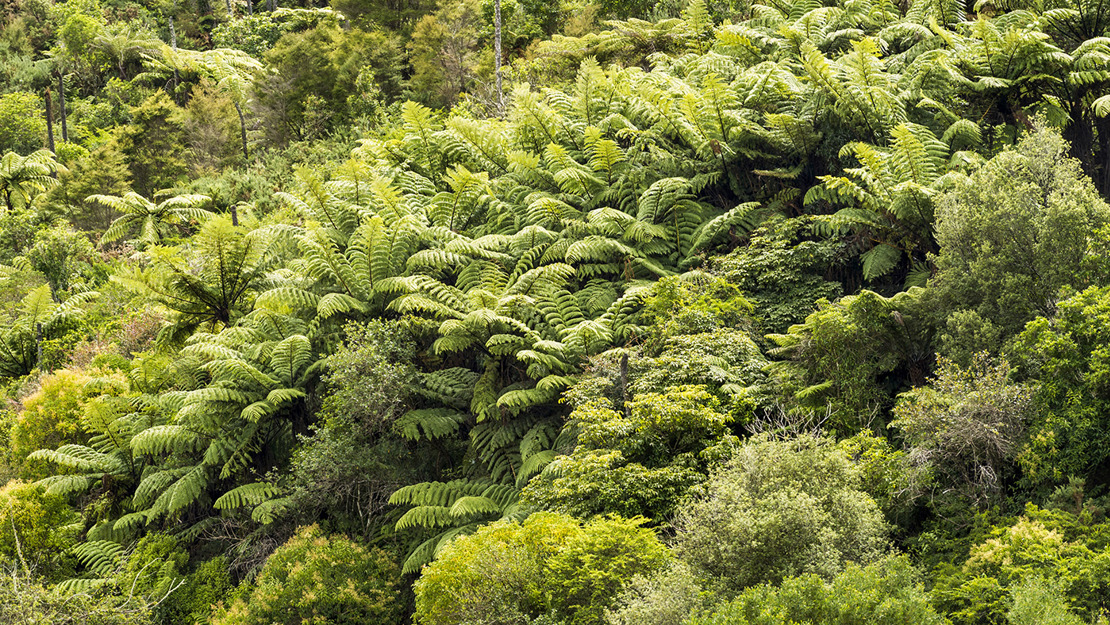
x: 250, y: 7
x: 242, y: 130
x: 50, y: 121
x: 173, y: 44
x: 62, y: 105
x: 497, y: 54
x: 230, y: 13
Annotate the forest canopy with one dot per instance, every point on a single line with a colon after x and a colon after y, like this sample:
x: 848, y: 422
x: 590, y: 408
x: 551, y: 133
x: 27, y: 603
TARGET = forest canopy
x: 577, y: 313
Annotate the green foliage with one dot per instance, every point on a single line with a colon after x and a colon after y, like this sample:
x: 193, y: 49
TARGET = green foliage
x: 1015, y: 233
x: 357, y: 457
x: 512, y: 572
x: 154, y: 144
x: 316, y: 71
x: 220, y: 290
x: 967, y: 425
x: 38, y: 528
x: 670, y: 596
x: 885, y: 593
x: 1066, y: 355
x: 781, y: 508
x: 60, y: 254
x: 1040, y: 602
x: 589, y: 569
x: 23, y: 600
x: 782, y: 271
x: 638, y: 463
x: 1005, y: 571
x: 22, y: 178
x: 22, y: 125
x: 51, y: 417
x: 851, y: 356
x: 316, y: 578
x: 153, y: 222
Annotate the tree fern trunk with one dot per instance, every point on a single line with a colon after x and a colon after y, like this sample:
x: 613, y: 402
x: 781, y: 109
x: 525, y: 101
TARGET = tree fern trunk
x: 242, y: 130
x: 62, y: 105
x: 50, y: 121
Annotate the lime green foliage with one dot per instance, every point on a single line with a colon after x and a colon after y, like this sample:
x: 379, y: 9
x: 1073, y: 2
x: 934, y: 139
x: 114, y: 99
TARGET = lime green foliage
x: 1039, y: 601
x: 1067, y: 356
x: 22, y: 125
x: 887, y: 592
x: 317, y: 578
x: 667, y: 597
x: 781, y: 508
x: 641, y: 462
x: 1067, y: 549
x: 51, y: 416
x: 851, y: 356
x: 497, y: 572
x: 1014, y: 233
x: 514, y: 572
x: 590, y: 568
x: 967, y: 425
x: 37, y: 527
x: 23, y: 600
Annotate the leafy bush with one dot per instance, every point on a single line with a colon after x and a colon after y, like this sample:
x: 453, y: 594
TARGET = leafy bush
x: 510, y: 572
x: 966, y: 425
x: 884, y: 593
x: 1014, y: 233
x: 1052, y: 544
x: 23, y: 600
x: 314, y: 578
x: 35, y: 527
x: 51, y: 416
x: 1066, y: 354
x: 667, y: 597
x: 642, y: 463
x: 781, y: 508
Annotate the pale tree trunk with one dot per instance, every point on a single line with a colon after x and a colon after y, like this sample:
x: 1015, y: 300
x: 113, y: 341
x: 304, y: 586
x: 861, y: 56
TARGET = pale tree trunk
x: 173, y: 44
x: 497, y: 54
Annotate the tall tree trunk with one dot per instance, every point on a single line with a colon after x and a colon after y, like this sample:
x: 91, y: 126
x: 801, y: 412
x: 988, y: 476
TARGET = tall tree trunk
x: 50, y: 121
x: 62, y: 105
x: 230, y: 13
x: 250, y: 7
x: 242, y: 130
x: 173, y: 44
x: 497, y: 54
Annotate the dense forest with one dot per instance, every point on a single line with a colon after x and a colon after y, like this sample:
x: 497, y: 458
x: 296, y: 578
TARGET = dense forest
x: 609, y: 312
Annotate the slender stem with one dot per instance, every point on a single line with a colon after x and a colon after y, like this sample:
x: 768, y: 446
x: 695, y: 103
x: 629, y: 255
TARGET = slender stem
x: 497, y: 53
